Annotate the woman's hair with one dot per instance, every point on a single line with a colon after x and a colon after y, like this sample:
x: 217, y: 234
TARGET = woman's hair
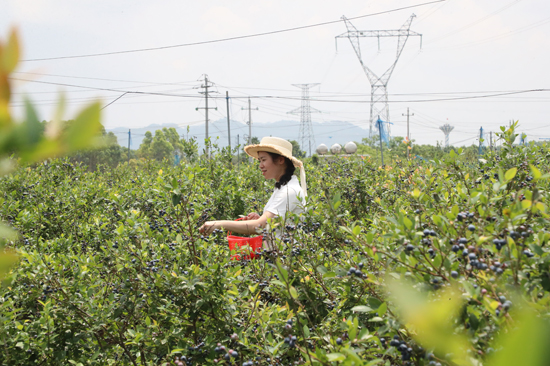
x: 289, y: 171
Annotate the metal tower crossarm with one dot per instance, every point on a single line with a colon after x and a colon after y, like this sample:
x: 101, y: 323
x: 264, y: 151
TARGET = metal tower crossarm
x: 379, y: 94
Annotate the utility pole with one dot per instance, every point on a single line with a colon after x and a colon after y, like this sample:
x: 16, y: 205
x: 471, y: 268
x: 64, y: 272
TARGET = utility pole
x: 207, y: 84
x: 129, y: 139
x: 408, y: 136
x: 228, y: 123
x: 380, y: 134
x: 238, y: 151
x: 250, y: 122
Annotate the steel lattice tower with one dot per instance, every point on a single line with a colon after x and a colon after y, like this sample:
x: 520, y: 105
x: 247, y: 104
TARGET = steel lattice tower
x: 305, y: 137
x: 379, y: 93
x: 446, y: 128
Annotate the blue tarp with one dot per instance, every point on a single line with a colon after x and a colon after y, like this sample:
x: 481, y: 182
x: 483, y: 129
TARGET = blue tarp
x: 382, y: 126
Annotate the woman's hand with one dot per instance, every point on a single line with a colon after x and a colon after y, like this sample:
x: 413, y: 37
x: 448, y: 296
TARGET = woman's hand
x: 251, y: 216
x: 208, y: 227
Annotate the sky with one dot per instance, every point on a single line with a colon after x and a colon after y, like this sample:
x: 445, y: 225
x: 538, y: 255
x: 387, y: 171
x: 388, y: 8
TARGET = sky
x: 479, y: 63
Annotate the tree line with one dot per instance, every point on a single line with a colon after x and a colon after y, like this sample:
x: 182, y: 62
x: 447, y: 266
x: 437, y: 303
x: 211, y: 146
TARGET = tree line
x: 167, y: 144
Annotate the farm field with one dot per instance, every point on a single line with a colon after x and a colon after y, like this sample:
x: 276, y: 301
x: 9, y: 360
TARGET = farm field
x: 442, y: 262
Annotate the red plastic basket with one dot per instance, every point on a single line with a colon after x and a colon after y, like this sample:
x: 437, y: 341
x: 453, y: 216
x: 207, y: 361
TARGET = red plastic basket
x: 243, y: 246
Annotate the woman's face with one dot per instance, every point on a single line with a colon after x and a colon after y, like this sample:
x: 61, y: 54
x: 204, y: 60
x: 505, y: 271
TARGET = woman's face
x: 271, y: 169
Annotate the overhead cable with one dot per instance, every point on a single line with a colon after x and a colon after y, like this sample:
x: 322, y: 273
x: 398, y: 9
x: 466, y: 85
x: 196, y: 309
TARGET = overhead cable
x: 231, y: 38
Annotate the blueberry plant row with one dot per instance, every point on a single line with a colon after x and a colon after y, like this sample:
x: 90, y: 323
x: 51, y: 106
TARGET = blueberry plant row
x: 113, y: 270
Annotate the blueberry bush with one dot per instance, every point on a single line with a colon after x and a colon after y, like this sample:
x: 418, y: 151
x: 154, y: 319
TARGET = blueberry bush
x: 114, y: 271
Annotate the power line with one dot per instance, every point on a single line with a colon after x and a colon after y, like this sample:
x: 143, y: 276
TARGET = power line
x: 493, y: 38
x: 476, y: 21
x: 497, y: 94
x: 231, y: 38
x: 123, y: 94
x: 104, y: 79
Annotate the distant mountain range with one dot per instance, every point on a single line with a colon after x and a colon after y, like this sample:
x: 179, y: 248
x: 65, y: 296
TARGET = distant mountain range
x: 327, y: 133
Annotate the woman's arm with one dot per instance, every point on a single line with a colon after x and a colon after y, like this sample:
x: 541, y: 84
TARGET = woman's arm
x: 247, y: 227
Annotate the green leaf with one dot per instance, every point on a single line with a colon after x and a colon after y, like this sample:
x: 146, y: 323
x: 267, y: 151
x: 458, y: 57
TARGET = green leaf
x: 176, y: 199
x: 30, y: 131
x: 10, y: 54
x: 526, y: 342
x: 306, y: 331
x: 374, y: 302
x: 407, y: 222
x: 333, y: 357
x: 7, y: 261
x: 293, y: 292
x: 322, y: 269
x: 282, y: 270
x: 432, y: 317
x: 510, y: 174
x: 84, y: 129
x: 361, y: 309
x: 536, y: 173
x: 7, y: 233
x: 382, y: 309
x: 536, y: 249
x: 375, y: 362
x: 370, y: 237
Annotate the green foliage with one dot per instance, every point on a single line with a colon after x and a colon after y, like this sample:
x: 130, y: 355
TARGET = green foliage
x: 396, y: 151
x: 114, y: 268
x: 296, y: 150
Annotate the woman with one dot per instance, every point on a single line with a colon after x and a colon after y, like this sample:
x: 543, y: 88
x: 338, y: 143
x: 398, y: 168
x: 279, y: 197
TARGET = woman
x: 276, y: 162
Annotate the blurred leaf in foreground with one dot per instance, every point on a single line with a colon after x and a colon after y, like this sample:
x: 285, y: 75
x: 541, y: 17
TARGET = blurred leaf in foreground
x: 430, y: 318
x: 7, y: 259
x: 26, y: 139
x: 526, y: 342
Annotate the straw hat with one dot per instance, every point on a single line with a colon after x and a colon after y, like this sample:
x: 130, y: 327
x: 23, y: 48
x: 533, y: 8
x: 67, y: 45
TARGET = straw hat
x: 282, y: 147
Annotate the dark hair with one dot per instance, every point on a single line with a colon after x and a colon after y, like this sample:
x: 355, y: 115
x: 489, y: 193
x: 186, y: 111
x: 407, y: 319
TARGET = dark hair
x: 289, y: 171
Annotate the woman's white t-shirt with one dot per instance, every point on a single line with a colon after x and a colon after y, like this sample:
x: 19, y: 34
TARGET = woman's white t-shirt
x: 288, y: 198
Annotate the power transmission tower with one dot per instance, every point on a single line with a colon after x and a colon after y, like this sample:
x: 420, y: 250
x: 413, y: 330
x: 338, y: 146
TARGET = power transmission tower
x: 207, y: 84
x: 446, y: 128
x: 379, y: 95
x: 249, y: 123
x: 306, y: 129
